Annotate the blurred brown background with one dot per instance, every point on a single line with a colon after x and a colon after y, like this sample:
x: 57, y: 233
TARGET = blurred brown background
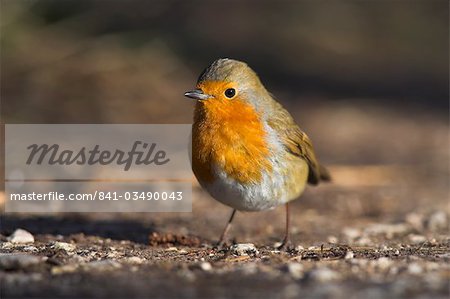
x: 130, y: 61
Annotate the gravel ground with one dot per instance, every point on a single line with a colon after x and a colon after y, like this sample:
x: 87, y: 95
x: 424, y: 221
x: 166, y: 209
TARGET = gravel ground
x: 405, y: 259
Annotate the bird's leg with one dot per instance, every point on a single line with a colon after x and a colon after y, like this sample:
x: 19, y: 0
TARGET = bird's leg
x: 287, y: 240
x: 222, y: 239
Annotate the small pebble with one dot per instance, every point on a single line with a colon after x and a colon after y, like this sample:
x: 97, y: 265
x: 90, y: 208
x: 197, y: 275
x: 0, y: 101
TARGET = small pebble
x: 363, y: 241
x: 244, y: 249
x: 415, y: 220
x: 324, y: 274
x: 205, y: 266
x: 113, y: 255
x: 349, y: 255
x: 382, y: 263
x: 299, y: 248
x: 187, y: 274
x: 135, y: 260
x: 64, y: 246
x: 64, y: 269
x: 438, y: 220
x: 359, y: 262
x: 416, y: 239
x: 102, y: 265
x: 332, y: 239
x: 21, y: 236
x: 30, y: 249
x: 415, y: 268
x: 351, y: 233
x: 277, y: 244
x: 295, y: 270
x: 6, y: 245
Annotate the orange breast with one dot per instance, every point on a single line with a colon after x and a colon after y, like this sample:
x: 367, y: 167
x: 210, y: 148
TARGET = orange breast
x: 229, y: 134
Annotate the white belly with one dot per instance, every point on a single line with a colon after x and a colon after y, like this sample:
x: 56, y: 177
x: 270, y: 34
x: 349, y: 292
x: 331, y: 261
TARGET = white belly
x: 273, y: 190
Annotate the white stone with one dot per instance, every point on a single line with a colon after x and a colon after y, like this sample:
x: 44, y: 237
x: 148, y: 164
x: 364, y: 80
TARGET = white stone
x: 30, y: 248
x: 64, y: 246
x: 299, y: 248
x: 277, y: 244
x: 102, y: 265
x: 57, y: 270
x: 349, y: 255
x: 416, y: 239
x: 351, y: 233
x: 363, y: 241
x: 332, y: 239
x: 324, y: 274
x: 205, y: 266
x: 438, y: 220
x: 244, y: 249
x: 382, y: 263
x: 359, y: 262
x: 21, y: 236
x: 415, y: 268
x: 415, y: 220
x: 135, y: 260
x: 187, y: 275
x: 295, y: 270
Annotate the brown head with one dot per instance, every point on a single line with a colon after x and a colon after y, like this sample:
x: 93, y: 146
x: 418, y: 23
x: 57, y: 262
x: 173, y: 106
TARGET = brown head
x: 228, y: 84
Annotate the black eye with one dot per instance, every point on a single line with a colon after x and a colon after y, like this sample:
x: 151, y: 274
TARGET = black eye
x: 230, y: 92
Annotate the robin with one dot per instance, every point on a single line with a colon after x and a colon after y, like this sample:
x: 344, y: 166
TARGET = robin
x: 247, y: 151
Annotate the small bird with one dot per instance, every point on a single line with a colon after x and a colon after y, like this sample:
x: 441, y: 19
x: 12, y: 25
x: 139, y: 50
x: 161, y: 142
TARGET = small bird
x: 247, y: 151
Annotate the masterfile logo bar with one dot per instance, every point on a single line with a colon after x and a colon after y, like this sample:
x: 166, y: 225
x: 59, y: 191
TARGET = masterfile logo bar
x: 97, y: 168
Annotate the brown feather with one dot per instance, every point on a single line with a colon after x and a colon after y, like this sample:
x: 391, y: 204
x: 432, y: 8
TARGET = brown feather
x: 297, y: 143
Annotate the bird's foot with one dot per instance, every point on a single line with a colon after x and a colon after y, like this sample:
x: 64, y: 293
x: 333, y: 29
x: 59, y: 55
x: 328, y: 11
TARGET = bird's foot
x: 221, y: 245
x: 286, y: 245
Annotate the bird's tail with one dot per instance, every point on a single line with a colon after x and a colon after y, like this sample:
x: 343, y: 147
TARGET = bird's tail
x: 324, y: 174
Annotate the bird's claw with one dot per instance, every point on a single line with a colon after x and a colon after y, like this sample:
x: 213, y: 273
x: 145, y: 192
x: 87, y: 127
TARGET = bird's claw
x: 286, y: 245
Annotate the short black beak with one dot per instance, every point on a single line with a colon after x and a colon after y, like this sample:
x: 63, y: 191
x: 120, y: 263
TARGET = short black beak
x: 197, y: 94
